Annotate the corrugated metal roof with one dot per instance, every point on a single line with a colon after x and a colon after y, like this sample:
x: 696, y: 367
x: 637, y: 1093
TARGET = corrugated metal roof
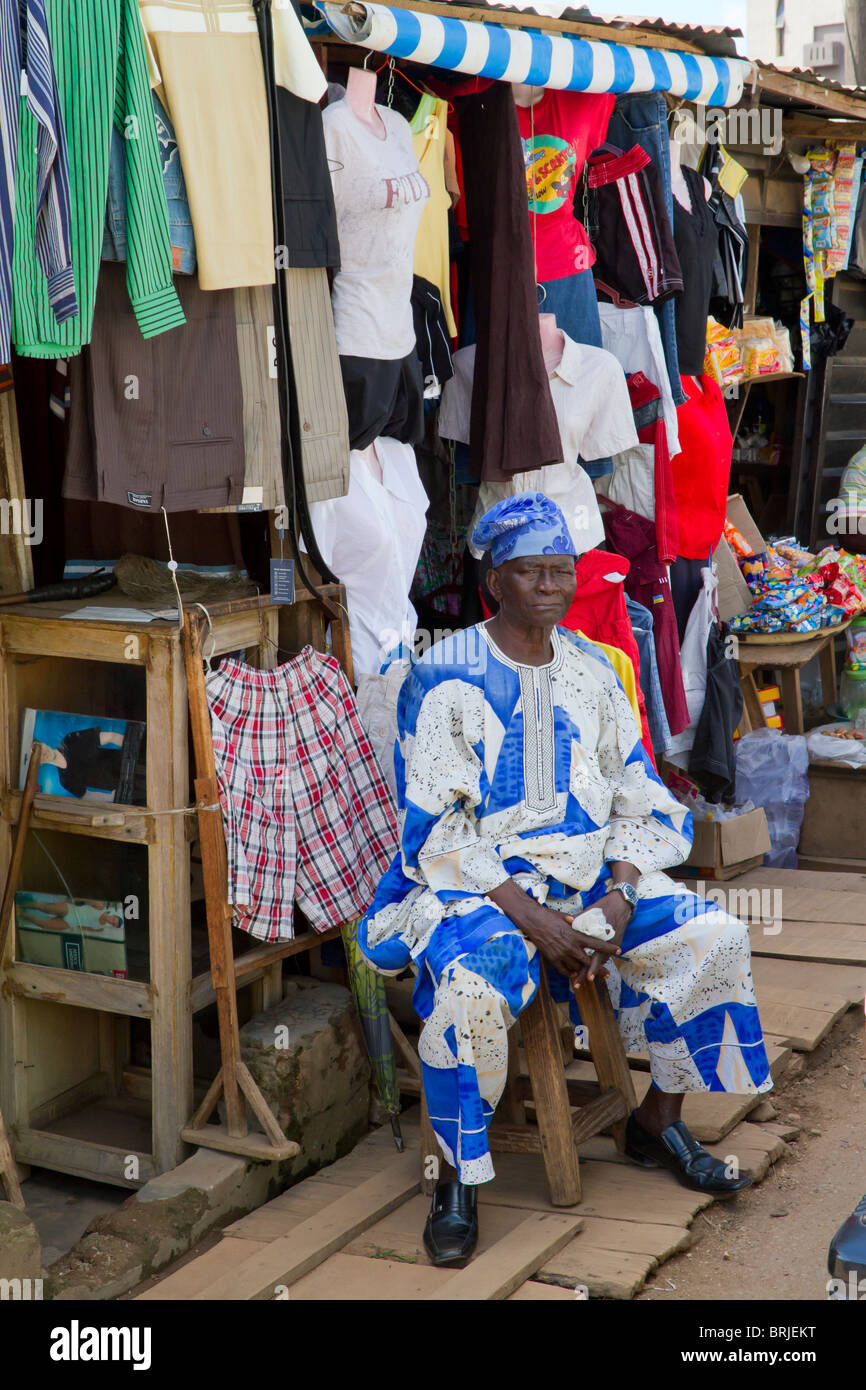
x: 718, y: 41
x: 809, y: 75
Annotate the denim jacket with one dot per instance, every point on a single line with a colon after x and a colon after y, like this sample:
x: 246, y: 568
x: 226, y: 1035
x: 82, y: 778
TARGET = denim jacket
x: 180, y: 222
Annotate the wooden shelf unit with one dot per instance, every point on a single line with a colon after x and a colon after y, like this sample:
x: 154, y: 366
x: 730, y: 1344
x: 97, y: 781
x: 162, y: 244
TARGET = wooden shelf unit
x: 61, y: 1072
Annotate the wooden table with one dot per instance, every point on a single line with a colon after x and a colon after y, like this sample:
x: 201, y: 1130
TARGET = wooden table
x: 788, y: 658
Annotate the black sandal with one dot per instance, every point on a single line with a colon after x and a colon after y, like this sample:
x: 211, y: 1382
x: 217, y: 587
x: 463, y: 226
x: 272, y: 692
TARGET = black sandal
x: 678, y: 1150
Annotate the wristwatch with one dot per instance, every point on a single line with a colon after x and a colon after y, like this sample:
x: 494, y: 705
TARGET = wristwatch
x: 628, y: 892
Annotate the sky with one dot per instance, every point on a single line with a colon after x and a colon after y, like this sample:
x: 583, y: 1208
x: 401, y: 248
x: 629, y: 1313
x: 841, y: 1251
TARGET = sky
x: 730, y: 13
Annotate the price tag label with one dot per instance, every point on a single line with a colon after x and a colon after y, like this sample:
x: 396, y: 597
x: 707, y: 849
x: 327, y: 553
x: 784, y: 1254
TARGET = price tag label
x: 282, y: 581
x: 272, y: 351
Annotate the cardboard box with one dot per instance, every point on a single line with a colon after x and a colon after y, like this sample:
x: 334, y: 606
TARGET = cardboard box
x: 734, y: 594
x: 729, y: 844
x: 834, y: 822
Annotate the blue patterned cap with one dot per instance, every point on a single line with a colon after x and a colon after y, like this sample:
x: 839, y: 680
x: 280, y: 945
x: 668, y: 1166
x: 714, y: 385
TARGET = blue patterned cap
x: 526, y: 524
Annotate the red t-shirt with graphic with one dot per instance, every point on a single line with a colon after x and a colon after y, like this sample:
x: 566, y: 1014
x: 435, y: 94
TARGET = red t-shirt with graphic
x: 559, y: 133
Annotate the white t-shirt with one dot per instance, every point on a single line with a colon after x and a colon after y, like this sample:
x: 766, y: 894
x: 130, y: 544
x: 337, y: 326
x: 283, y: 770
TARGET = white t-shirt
x: 380, y: 194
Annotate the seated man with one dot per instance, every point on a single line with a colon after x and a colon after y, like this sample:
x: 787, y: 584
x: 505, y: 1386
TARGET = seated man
x: 525, y: 798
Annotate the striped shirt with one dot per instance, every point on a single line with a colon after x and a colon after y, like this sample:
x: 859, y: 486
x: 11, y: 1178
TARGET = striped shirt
x: 27, y: 70
x: 103, y: 81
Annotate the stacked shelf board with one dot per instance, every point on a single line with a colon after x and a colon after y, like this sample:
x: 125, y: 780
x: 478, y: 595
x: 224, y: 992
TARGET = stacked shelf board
x: 70, y: 1096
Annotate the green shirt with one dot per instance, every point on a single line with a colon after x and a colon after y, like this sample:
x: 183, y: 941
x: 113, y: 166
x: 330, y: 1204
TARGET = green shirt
x: 99, y: 56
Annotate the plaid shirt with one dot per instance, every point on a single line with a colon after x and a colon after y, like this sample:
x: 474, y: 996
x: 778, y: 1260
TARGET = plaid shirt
x: 308, y: 816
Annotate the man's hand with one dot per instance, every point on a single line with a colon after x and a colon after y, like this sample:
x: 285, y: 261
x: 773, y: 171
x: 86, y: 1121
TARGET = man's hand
x: 571, y: 952
x: 618, y: 915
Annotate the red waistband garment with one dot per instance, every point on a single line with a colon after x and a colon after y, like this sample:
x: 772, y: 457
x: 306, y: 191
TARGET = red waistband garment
x: 646, y: 402
x: 307, y: 813
x: 647, y: 582
x: 599, y: 612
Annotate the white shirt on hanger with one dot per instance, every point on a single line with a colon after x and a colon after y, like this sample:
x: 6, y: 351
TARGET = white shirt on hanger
x: 379, y: 194
x: 371, y: 539
x: 594, y: 414
x: 633, y: 336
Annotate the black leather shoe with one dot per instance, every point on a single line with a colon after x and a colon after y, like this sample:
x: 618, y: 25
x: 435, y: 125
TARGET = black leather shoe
x: 451, y: 1233
x: 677, y: 1149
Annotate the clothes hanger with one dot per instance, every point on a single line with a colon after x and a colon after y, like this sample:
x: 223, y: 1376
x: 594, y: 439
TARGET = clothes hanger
x: 395, y: 71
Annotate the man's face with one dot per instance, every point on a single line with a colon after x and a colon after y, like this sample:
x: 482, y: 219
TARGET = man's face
x: 534, y: 589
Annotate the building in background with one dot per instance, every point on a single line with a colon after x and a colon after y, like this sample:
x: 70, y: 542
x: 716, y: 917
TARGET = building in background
x: 802, y: 34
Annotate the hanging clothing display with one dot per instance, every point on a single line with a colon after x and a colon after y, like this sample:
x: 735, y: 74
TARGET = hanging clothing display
x: 636, y: 260
x: 713, y: 761
x: 309, y: 215
x: 27, y: 68
x: 641, y: 118
x: 558, y: 132
x: 157, y: 422
x: 101, y: 67
x: 693, y: 660
x: 377, y: 697
x: 729, y: 271
x: 632, y: 335
x: 383, y: 398
x: 598, y: 611
x: 380, y: 195
x: 319, y: 384
x: 181, y: 235
x: 590, y: 397
x: 432, y: 342
x: 429, y: 135
x: 641, y: 620
x: 513, y: 424
x: 702, y: 467
x: 372, y: 538
x: 199, y: 50
x: 634, y: 537
x: 307, y: 815
x: 697, y: 240
x: 646, y: 404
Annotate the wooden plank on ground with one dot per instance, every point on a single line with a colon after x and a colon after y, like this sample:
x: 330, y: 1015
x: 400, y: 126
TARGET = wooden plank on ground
x: 350, y: 1278
x: 201, y: 1272
x: 753, y: 1148
x: 289, y: 1258
x: 604, y: 1273
x: 399, y: 1235
x: 624, y: 1192
x: 812, y: 941
x: 754, y: 903
x: 284, y: 1213
x: 801, y: 1027
x: 708, y: 1114
x: 500, y: 1270
x: 534, y: 1292
x: 831, y: 881
x: 821, y: 985
x: 837, y: 868
x: 635, y: 1237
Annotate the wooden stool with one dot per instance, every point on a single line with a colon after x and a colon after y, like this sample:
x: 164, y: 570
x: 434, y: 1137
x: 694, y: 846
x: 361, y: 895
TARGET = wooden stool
x: 604, y: 1104
x: 788, y: 658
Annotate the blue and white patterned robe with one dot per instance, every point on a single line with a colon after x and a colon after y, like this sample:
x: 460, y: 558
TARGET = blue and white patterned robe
x: 538, y: 773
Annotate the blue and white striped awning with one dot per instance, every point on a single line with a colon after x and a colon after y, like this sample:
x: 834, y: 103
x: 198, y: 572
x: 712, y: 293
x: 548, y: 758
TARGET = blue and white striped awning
x: 563, y: 60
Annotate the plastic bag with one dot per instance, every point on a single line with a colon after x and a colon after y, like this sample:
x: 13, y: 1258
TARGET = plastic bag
x: 772, y: 770
x: 824, y: 746
x: 693, y: 660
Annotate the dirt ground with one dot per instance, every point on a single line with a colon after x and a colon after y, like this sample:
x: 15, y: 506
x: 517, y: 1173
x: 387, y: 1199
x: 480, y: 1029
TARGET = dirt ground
x: 771, y: 1242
